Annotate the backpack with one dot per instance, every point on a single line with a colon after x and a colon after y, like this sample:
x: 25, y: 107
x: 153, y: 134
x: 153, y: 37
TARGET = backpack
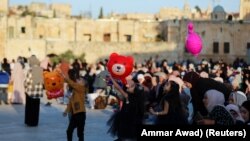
x: 4, y: 78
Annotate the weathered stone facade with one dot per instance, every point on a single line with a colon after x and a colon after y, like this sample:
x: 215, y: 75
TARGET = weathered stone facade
x: 61, y: 9
x: 4, y: 6
x: 235, y: 35
x: 245, y: 9
x: 94, y: 51
x: 27, y: 35
x: 3, y: 23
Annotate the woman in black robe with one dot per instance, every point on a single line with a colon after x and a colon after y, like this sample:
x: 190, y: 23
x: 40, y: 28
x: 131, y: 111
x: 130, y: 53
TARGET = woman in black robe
x: 124, y: 123
x: 198, y: 86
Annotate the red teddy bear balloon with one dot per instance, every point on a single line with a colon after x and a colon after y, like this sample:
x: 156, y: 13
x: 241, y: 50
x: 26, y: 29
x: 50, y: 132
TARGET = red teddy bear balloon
x: 120, y: 66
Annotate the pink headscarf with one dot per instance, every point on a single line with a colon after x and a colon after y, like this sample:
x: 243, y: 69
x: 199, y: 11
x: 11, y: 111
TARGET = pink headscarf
x: 176, y: 73
x: 44, y: 63
x: 176, y: 80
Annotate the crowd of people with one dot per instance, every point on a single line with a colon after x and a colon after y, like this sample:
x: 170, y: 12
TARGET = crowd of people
x: 206, y: 92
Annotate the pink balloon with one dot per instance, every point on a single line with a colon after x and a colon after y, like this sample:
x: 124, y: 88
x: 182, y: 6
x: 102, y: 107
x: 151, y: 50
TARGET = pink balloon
x: 193, y: 41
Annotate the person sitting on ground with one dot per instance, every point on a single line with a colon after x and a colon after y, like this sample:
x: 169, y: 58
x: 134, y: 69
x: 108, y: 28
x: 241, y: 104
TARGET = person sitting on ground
x: 217, y: 113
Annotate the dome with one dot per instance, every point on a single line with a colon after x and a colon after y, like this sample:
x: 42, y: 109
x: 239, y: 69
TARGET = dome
x: 218, y: 9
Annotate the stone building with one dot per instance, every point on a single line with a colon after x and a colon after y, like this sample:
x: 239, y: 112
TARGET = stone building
x: 135, y: 35
x: 245, y: 9
x: 4, y: 8
x: 221, y: 39
x: 218, y: 13
x: 37, y: 7
x: 61, y: 9
x: 187, y: 12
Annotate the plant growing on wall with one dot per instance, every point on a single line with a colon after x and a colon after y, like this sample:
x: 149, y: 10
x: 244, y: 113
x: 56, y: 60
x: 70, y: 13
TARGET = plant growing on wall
x: 27, y: 12
x: 68, y: 56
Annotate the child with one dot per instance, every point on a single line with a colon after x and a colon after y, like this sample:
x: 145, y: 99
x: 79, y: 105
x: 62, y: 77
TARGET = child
x: 76, y: 107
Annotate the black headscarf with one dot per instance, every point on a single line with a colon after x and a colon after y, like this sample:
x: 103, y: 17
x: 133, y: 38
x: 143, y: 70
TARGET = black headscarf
x: 191, y: 77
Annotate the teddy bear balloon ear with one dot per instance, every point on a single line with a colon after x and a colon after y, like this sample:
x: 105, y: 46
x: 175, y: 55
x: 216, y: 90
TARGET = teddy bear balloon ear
x: 45, y: 72
x: 113, y: 55
x: 130, y: 59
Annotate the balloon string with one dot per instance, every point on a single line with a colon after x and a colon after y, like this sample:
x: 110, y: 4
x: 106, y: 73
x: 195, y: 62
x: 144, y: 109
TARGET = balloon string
x: 196, y: 56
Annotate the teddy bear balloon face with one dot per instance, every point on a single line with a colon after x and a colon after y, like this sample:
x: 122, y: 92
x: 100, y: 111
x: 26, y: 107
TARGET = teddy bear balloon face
x: 53, y: 83
x: 120, y: 66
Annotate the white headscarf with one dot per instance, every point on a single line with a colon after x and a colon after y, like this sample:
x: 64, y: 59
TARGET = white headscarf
x: 236, y: 109
x: 214, y: 98
x: 238, y: 97
x: 219, y: 79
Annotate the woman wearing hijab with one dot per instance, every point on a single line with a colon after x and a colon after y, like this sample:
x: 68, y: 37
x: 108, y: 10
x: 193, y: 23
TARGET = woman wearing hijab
x: 237, y: 98
x: 34, y: 91
x: 198, y: 86
x: 17, y: 78
x: 46, y: 64
x: 245, y: 111
x: 235, y: 112
x: 217, y: 113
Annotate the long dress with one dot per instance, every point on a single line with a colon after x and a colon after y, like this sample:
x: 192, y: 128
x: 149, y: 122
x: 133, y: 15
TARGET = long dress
x: 124, y: 122
x: 18, y: 77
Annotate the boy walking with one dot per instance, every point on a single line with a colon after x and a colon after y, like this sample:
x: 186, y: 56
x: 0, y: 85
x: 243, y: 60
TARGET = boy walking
x: 76, y: 107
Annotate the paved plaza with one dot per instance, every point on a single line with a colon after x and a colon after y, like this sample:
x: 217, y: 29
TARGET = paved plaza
x: 52, y: 125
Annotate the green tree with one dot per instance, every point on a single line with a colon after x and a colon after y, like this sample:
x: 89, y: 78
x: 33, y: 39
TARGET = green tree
x: 198, y: 9
x: 68, y: 56
x: 101, y: 13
